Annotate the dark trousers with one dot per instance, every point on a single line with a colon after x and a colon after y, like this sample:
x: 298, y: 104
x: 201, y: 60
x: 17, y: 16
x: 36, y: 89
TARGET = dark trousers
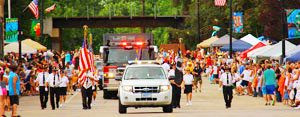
x: 278, y: 95
x: 54, y: 91
x: 257, y: 92
x: 86, y: 97
x: 227, y: 93
x: 176, y: 95
x: 43, y: 96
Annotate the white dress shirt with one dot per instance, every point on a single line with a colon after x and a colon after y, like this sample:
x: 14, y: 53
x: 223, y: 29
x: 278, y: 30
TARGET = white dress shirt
x: 88, y: 82
x: 224, y: 78
x: 54, y: 80
x: 42, y: 78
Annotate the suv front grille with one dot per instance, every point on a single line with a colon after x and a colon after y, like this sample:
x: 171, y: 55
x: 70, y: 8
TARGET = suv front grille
x: 146, y: 90
x: 146, y: 99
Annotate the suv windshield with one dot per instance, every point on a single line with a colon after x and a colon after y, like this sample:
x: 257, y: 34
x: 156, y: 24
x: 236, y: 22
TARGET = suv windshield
x: 134, y: 73
x: 117, y: 55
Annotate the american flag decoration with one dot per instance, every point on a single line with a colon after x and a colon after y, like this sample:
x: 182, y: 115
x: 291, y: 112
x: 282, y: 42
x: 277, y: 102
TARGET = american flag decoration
x: 86, y: 62
x: 220, y: 2
x: 51, y: 8
x: 33, y: 6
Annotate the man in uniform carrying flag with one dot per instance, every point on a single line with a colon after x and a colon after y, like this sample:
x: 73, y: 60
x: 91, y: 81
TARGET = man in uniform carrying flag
x: 86, y: 72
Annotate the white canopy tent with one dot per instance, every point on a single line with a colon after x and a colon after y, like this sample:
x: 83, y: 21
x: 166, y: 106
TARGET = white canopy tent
x: 250, y: 39
x: 14, y: 47
x: 275, y: 51
x: 254, y: 53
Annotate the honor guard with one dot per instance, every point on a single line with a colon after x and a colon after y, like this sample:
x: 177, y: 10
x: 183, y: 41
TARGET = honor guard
x: 226, y: 82
x: 41, y: 79
x: 53, y: 83
x: 87, y: 90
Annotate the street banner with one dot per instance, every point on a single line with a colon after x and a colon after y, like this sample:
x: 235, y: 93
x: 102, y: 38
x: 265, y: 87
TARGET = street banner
x: 293, y: 22
x: 35, y: 30
x: 238, y: 22
x: 11, y: 30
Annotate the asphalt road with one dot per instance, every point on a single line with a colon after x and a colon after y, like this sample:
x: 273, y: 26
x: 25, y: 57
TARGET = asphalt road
x: 208, y: 103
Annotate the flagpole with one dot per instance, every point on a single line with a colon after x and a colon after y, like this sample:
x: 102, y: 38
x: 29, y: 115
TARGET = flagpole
x: 230, y: 30
x: 9, y: 8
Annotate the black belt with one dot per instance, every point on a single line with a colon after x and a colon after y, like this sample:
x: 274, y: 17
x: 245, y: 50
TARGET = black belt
x: 227, y: 85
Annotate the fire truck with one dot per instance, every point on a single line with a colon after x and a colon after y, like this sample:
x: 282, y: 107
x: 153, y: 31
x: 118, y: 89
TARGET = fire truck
x: 117, y: 50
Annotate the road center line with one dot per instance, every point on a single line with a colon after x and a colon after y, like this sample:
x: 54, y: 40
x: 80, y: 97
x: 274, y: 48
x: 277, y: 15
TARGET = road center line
x: 69, y: 100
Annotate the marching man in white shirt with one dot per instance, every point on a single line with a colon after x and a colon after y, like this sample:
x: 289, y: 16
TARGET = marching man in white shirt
x: 226, y: 81
x: 87, y: 90
x: 41, y: 79
x: 54, y: 82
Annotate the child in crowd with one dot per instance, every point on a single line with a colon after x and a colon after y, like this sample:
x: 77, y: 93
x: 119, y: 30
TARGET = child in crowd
x: 188, y: 80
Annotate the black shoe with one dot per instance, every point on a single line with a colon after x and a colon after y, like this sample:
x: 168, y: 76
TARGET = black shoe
x: 174, y: 106
x: 227, y: 107
x: 84, y: 108
x: 178, y: 106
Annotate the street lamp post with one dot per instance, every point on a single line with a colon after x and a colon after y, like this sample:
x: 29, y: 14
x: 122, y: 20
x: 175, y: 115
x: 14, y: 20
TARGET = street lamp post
x: 284, y: 29
x: 230, y: 30
x: 42, y: 22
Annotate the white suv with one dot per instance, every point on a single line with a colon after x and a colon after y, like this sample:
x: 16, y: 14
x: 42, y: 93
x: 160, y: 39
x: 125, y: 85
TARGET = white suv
x: 145, y: 85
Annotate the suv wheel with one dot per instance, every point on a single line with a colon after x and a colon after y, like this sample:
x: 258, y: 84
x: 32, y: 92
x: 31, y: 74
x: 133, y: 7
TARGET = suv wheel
x: 122, y: 109
x: 168, y: 109
x: 106, y: 94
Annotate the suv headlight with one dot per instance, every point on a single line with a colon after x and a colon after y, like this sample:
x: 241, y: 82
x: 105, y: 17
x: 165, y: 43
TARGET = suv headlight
x: 127, y: 88
x: 164, y: 88
x: 110, y: 75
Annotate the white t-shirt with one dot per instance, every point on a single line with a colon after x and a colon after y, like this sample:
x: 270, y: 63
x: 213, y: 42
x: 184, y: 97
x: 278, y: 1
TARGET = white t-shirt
x: 215, y: 68
x: 64, y: 81
x: 247, y: 74
x: 188, y: 79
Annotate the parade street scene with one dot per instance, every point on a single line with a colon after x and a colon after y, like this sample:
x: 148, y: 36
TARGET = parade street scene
x: 149, y: 58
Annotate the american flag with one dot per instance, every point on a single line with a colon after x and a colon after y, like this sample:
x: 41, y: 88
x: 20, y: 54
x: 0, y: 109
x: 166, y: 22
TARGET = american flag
x: 51, y: 8
x: 220, y: 2
x: 86, y: 62
x: 33, y: 6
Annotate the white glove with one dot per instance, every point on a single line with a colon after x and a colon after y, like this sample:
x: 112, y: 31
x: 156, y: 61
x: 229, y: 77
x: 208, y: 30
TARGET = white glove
x: 37, y: 88
x: 46, y: 89
x: 93, y: 87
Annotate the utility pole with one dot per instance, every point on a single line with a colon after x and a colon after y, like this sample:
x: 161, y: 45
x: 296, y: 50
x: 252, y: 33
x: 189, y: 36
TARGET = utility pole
x: 198, y: 20
x: 230, y: 30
